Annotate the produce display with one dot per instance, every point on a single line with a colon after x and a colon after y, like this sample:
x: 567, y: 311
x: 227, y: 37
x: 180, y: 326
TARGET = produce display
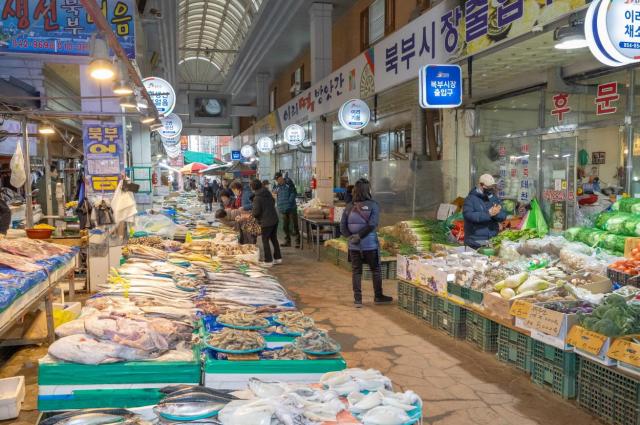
x: 294, y: 321
x: 614, y: 317
x: 317, y: 342
x: 419, y: 234
x: 288, y: 352
x: 242, y: 319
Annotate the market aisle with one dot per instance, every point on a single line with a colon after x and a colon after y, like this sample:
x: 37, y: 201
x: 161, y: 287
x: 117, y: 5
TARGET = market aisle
x: 459, y: 385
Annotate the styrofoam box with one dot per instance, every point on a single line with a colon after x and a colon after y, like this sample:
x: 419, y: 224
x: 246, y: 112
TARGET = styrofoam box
x: 555, y: 341
x: 11, y: 397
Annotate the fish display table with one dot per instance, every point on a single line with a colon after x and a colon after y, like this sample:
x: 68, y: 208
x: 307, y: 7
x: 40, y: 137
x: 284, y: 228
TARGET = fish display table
x: 30, y: 290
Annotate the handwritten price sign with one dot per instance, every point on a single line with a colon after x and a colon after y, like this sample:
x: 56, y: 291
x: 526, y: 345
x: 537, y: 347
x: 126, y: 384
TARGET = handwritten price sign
x: 544, y: 320
x: 520, y: 309
x: 588, y: 341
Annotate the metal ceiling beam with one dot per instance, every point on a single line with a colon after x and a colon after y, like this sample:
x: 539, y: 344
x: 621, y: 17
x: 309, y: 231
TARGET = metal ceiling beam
x: 103, y: 26
x: 206, y: 50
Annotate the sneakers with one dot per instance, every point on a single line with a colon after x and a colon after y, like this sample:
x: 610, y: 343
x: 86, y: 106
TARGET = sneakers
x: 266, y: 265
x: 357, y: 304
x: 383, y: 299
x: 276, y: 262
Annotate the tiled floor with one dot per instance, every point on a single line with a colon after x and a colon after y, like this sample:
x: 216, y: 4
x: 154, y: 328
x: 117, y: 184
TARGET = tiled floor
x: 459, y: 385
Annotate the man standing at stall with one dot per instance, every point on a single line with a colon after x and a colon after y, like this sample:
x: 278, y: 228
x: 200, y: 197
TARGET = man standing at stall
x: 286, y: 202
x: 482, y: 213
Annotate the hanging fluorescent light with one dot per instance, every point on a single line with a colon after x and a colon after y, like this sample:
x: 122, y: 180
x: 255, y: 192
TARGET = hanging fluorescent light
x: 157, y: 125
x: 570, y: 37
x: 46, y: 129
x: 122, y: 87
x: 141, y: 103
x: 128, y: 102
x: 148, y: 119
x: 101, y: 67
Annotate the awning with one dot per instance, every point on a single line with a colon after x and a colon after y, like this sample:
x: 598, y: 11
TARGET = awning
x: 201, y: 157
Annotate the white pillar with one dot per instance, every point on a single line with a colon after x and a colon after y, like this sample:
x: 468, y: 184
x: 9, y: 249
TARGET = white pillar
x: 262, y: 94
x: 322, y: 159
x: 321, y: 39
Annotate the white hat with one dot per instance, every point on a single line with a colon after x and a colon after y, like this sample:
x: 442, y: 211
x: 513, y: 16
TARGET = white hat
x: 487, y: 180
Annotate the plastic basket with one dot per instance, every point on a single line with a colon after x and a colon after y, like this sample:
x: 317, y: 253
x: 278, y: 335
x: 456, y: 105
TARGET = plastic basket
x: 451, y: 310
x: 564, y: 359
x: 610, y: 379
x: 623, y: 279
x: 514, y: 348
x: 482, y: 332
x: 456, y: 328
x: 424, y: 312
x: 426, y: 298
x: 553, y: 378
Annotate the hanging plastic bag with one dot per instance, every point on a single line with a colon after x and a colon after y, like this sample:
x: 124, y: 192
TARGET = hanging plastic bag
x: 18, y: 173
x: 123, y: 205
x: 535, y: 219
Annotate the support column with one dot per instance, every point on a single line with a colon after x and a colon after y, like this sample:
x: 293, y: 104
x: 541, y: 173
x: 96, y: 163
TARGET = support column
x: 262, y: 94
x: 321, y: 39
x: 141, y: 157
x: 322, y: 158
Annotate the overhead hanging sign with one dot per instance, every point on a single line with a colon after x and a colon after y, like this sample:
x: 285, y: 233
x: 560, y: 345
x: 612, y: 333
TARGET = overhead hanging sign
x: 295, y: 135
x: 247, y: 151
x: 104, y: 155
x: 354, y: 115
x: 264, y: 144
x: 612, y: 29
x: 171, y: 141
x: 440, y: 86
x: 162, y: 94
x: 62, y: 27
x: 171, y: 127
x: 236, y: 156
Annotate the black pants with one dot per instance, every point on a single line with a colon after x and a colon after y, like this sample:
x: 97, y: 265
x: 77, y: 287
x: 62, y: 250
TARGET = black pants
x: 372, y: 259
x: 208, y: 206
x: 270, y: 234
x: 288, y: 219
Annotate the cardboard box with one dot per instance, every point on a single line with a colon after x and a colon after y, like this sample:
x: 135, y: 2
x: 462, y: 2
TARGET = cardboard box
x: 402, y: 268
x: 498, y: 306
x: 432, y: 278
x: 549, y: 326
x: 629, y: 245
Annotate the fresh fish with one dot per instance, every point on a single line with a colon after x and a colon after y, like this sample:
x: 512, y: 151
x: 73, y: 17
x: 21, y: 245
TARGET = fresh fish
x: 90, y: 417
x: 360, y: 403
x: 174, y: 390
x: 385, y: 415
x: 194, y: 397
x: 247, y: 412
x: 188, y: 410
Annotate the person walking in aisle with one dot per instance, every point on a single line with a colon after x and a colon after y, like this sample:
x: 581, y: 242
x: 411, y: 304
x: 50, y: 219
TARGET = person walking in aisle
x: 287, y: 194
x: 215, y: 186
x: 264, y: 211
x: 359, y: 223
x: 207, y: 197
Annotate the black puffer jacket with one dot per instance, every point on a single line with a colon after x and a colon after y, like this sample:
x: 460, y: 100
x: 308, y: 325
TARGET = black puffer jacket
x: 264, y: 208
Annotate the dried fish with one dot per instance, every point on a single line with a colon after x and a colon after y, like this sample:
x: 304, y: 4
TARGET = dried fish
x: 234, y: 340
x: 295, y: 321
x: 288, y: 352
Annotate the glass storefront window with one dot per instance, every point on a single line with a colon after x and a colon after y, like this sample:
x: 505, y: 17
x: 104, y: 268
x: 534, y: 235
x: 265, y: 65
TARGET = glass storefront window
x: 509, y: 115
x: 394, y: 145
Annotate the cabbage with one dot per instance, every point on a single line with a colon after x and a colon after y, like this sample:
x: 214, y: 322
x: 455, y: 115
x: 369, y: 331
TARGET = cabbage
x: 507, y: 293
x: 512, y: 281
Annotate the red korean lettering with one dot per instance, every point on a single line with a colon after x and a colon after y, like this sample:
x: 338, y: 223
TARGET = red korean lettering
x: 49, y: 10
x: 17, y: 9
x: 607, y: 95
x: 561, y: 106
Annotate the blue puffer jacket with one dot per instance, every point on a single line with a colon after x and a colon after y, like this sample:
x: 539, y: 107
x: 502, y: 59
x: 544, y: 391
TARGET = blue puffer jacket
x: 287, y: 194
x: 479, y: 226
x: 357, y: 217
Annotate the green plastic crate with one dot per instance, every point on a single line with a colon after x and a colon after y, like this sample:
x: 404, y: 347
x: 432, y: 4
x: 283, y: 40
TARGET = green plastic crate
x: 406, y: 304
x: 407, y: 289
x: 567, y: 360
x: 454, y: 289
x: 554, y: 378
x: 472, y: 295
x: 605, y: 403
x: 427, y: 298
x: 608, y: 378
x: 453, y: 327
x: 482, y: 332
x: 451, y: 310
x: 426, y: 313
x: 514, y: 348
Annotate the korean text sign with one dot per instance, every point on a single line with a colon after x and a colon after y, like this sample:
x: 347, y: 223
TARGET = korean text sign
x: 104, y: 155
x: 61, y: 27
x: 441, y: 86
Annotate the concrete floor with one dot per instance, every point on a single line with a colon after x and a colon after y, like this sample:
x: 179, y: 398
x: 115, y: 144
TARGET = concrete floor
x: 459, y: 384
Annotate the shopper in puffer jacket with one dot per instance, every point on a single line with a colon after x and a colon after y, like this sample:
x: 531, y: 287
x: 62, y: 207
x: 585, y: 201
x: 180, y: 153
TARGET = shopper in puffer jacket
x: 287, y: 194
x: 264, y: 211
x: 359, y: 223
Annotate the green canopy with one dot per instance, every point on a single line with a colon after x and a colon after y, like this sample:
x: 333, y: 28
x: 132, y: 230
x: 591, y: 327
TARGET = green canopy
x: 201, y: 157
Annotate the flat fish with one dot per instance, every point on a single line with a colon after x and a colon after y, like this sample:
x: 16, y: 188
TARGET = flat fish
x: 89, y: 417
x: 188, y: 410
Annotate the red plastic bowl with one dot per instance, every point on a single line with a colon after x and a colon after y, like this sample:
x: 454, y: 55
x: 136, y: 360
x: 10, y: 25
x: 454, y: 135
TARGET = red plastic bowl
x: 39, y: 233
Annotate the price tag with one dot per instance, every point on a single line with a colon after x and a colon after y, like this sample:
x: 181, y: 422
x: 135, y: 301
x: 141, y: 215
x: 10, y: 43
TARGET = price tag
x: 585, y: 340
x: 520, y: 309
x: 626, y: 351
x: 544, y: 320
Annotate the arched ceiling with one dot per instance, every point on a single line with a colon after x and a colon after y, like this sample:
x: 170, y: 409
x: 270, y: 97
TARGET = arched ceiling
x: 210, y: 33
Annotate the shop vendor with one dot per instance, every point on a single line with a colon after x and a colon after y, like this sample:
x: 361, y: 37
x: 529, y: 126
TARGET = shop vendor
x: 482, y: 213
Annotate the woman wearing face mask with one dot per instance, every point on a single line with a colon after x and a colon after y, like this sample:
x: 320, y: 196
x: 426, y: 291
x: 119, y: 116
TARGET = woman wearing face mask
x: 359, y: 223
x: 482, y: 213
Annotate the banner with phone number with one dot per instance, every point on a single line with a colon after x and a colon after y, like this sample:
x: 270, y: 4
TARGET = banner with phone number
x: 103, y: 155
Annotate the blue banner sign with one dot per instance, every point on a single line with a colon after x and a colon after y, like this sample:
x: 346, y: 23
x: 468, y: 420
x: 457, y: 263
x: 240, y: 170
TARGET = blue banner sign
x: 61, y: 27
x: 236, y: 156
x: 440, y: 86
x: 104, y: 155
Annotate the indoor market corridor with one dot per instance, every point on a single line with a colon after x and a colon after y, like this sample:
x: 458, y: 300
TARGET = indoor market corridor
x: 458, y: 384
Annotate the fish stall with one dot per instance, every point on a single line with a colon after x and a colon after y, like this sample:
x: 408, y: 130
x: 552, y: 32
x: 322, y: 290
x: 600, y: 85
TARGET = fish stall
x: 29, y: 270
x: 347, y: 397
x: 200, y: 312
